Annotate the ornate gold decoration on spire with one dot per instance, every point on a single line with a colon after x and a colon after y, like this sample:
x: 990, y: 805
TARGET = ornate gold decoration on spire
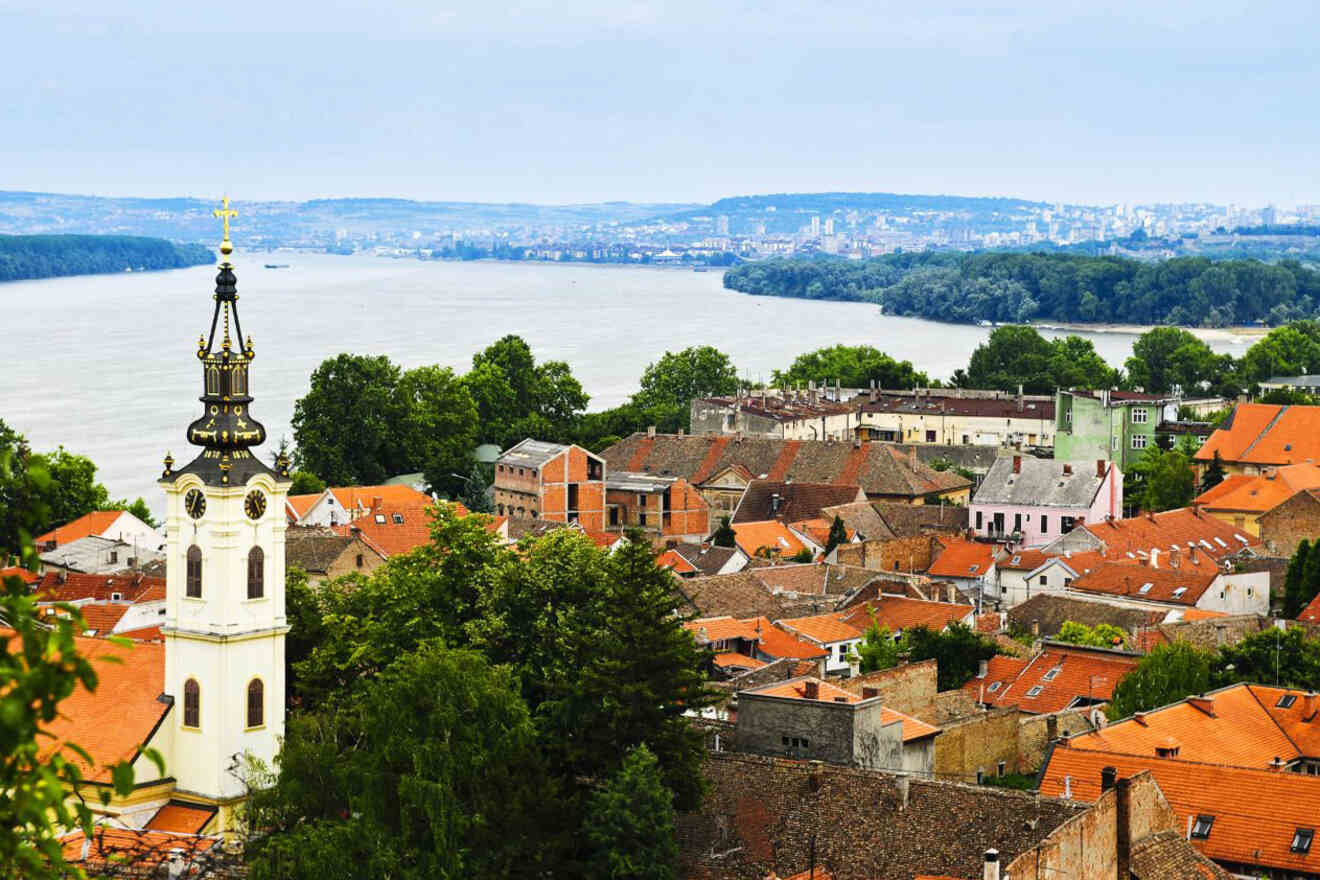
x: 224, y: 213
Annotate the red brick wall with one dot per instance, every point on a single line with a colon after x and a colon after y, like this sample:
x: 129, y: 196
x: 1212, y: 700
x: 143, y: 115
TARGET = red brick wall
x: 1288, y: 524
x: 689, y: 512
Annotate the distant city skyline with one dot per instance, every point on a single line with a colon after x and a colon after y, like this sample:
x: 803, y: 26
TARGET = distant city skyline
x: 569, y: 103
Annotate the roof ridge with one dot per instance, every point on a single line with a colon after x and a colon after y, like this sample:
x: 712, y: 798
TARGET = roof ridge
x: 1263, y: 431
x: 1251, y: 689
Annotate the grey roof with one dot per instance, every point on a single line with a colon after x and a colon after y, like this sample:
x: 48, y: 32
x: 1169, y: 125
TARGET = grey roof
x: 1042, y: 482
x: 861, y: 517
x: 531, y: 453
x: 628, y: 481
x: 315, y: 554
x: 1307, y: 381
x: 706, y: 559
x: 520, y: 527
x: 96, y: 555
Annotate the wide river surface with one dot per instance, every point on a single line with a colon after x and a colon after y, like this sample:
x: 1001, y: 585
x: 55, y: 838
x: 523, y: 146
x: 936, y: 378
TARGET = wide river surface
x: 106, y: 364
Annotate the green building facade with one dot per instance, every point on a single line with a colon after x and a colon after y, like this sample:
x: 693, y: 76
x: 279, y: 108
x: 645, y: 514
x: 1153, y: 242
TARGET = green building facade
x: 1115, y: 426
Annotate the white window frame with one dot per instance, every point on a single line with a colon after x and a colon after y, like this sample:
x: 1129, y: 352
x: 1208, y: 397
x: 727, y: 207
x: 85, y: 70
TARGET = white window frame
x: 1140, y: 415
x: 1142, y: 437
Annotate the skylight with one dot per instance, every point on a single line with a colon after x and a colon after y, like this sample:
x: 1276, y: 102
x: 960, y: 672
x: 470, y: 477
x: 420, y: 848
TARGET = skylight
x: 1201, y: 828
x: 380, y: 519
x: 1145, y: 588
x: 1302, y: 838
x: 1286, y: 701
x: 994, y: 686
x: 1052, y: 674
x: 1036, y: 691
x: 1177, y: 594
x: 1220, y: 542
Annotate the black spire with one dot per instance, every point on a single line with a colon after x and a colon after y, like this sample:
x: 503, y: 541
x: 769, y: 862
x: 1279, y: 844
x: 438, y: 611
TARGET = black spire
x: 226, y: 430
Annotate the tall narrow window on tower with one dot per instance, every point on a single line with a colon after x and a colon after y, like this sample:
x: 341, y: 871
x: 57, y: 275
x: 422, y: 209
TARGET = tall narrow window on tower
x: 256, y: 711
x: 192, y: 703
x: 256, y: 573
x: 194, y: 586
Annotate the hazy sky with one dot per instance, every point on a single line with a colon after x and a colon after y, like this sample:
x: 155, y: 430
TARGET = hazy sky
x: 565, y: 101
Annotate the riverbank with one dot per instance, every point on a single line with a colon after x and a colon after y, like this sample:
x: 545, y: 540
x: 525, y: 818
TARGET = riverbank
x: 1221, y: 335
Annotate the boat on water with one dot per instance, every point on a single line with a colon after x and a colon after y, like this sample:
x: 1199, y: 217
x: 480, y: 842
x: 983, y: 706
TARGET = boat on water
x: 277, y: 265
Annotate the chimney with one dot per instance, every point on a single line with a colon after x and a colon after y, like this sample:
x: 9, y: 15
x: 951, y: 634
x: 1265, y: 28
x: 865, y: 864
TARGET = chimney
x: 377, y: 502
x: 1154, y: 557
x: 680, y: 432
x: 1021, y: 401
x: 1204, y: 703
x: 1051, y: 728
x: 1035, y: 627
x: 1127, y: 585
x: 869, y: 693
x: 1067, y: 469
x: 774, y: 503
x: 953, y: 594
x: 1100, y: 468
x: 991, y: 871
x: 1308, y: 706
x: 1108, y: 775
x: 982, y: 668
x: 1123, y: 827
x: 811, y: 690
x: 650, y: 430
x: 875, y: 392
x: 1173, y: 557
x: 1017, y: 464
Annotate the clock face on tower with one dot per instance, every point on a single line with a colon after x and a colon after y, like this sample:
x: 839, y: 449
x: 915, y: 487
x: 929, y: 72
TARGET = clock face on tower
x: 195, y: 503
x: 255, y: 504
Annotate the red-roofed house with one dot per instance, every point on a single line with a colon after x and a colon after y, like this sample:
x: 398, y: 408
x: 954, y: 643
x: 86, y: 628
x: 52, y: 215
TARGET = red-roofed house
x: 900, y: 613
x: 772, y: 539
x: 970, y: 565
x: 113, y: 525
x: 344, y: 504
x: 1257, y: 436
x: 830, y: 633
x: 1059, y: 677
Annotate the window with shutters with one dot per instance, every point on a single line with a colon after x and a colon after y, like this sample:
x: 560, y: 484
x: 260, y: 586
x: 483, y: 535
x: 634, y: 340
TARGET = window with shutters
x: 193, y: 587
x: 256, y: 705
x: 256, y: 573
x: 192, y: 703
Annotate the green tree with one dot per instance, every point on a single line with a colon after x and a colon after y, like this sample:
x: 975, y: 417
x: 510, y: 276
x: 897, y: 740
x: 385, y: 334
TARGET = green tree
x: 1271, y: 657
x: 678, y: 377
x: 630, y: 823
x: 1291, y: 350
x: 306, y: 483
x: 1102, y: 635
x: 517, y: 398
x: 1165, y: 675
x: 878, y: 649
x: 1162, y: 480
x: 1214, y: 473
x: 957, y: 650
x: 724, y: 536
x: 1295, y: 586
x: 476, y: 491
x: 349, y: 426
x: 72, y: 491
x: 1018, y: 355
x: 852, y: 366
x: 838, y: 535
x: 429, y: 770
x: 439, y: 426
x: 1163, y: 357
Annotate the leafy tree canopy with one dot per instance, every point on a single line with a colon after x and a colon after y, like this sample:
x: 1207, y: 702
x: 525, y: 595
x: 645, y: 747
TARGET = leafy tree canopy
x: 1018, y: 354
x: 852, y: 366
x: 1161, y: 480
x: 517, y: 398
x: 1165, y: 675
x: 1164, y: 357
x: 678, y: 377
x: 1102, y: 635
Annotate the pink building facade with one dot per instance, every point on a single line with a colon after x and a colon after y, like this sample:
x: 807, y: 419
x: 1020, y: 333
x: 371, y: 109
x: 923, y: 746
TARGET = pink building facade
x: 1032, y: 501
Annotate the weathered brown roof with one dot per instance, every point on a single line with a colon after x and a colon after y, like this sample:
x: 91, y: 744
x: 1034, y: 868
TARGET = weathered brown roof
x: 745, y: 595
x: 1167, y: 856
x: 859, y: 517
x: 315, y: 554
x: 707, y: 559
x: 879, y: 468
x: 761, y: 813
x: 910, y: 520
x: 1052, y: 611
x: 795, y: 501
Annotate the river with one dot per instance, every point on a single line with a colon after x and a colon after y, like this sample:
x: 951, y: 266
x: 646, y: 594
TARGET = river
x: 106, y: 364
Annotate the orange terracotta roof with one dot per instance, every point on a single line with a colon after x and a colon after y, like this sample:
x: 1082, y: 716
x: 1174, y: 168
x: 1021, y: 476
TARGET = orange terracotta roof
x: 796, y: 688
x: 101, y: 619
x: 751, y: 536
x: 391, y: 530
x: 818, y: 529
x: 901, y: 613
x: 146, y: 634
x: 1056, y: 677
x: 364, y: 497
x: 732, y: 659
x: 1202, y: 614
x: 780, y: 644
x: 822, y: 628
x: 1300, y: 720
x: 76, y: 586
x: 1257, y: 494
x: 1243, y: 428
x: 27, y: 577
x: 1168, y: 528
x: 1001, y: 671
x: 123, y: 846
x: 1267, y: 434
x: 1184, y: 585
x: 1241, y: 731
x: 675, y: 563
x: 820, y: 872
x: 1311, y: 613
x: 93, y: 523
x: 721, y: 629
x: 962, y: 559
x: 1256, y: 812
x: 299, y: 504
x: 1021, y: 560
x: 180, y: 817
x: 113, y: 722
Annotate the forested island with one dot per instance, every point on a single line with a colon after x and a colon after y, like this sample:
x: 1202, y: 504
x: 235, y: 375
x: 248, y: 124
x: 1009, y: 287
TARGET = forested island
x: 1021, y: 287
x: 24, y: 257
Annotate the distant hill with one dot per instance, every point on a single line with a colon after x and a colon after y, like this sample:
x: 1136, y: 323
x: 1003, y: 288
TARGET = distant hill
x: 25, y: 257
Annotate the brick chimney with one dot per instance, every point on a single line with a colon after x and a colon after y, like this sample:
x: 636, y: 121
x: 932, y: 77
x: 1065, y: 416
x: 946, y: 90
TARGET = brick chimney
x: 1204, y: 703
x: 1123, y: 827
x: 1308, y: 706
x: 1108, y: 776
x: 811, y: 690
x: 1017, y: 464
x: 869, y: 693
x: 991, y: 870
x: 1100, y: 468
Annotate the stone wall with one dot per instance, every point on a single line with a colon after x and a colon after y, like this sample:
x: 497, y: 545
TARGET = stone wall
x: 848, y: 734
x: 978, y: 743
x: 1036, y: 732
x: 892, y: 555
x: 908, y: 688
x: 1289, y: 523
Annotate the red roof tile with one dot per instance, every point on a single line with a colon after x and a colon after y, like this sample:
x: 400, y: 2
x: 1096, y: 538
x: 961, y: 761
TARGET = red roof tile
x: 1257, y: 494
x: 181, y: 818
x: 27, y: 577
x: 777, y: 643
x: 901, y: 613
x: 122, y: 846
x: 675, y: 563
x: 93, y: 523
x: 733, y: 660
x: 822, y: 628
x: 1058, y: 676
x: 771, y: 534
x: 962, y: 559
x: 74, y: 586
x: 1264, y: 433
x: 363, y: 498
x: 1184, y: 585
x: 1164, y: 530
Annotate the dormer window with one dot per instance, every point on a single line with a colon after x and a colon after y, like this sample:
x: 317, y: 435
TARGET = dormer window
x: 1286, y: 701
x: 1201, y: 827
x: 380, y: 519
x: 1036, y: 691
x: 1178, y: 593
x: 1052, y: 674
x: 1301, y: 842
x: 398, y: 519
x: 1145, y: 588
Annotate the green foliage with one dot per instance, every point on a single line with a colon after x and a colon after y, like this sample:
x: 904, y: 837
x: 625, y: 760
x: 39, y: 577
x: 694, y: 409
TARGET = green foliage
x: 49, y: 256
x: 476, y: 491
x: 1214, y: 473
x: 1015, y: 781
x: 1287, y: 397
x: 1019, y: 355
x: 724, y: 536
x: 838, y: 535
x: 1167, y: 356
x: 1291, y: 350
x: 517, y: 398
x: 1102, y: 635
x: 852, y: 366
x: 958, y: 651
x: 678, y: 377
x: 363, y: 420
x: 630, y: 823
x: 803, y: 555
x: 429, y: 770
x: 1165, y: 675
x: 1161, y: 480
x: 878, y: 649
x: 1272, y: 657
x: 306, y: 483
x: 1297, y: 592
x: 1020, y: 287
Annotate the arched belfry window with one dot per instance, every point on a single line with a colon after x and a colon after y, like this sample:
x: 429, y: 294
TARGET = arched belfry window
x: 256, y: 573
x: 256, y: 703
x: 192, y: 703
x: 239, y: 381
x: 213, y: 380
x: 194, y: 579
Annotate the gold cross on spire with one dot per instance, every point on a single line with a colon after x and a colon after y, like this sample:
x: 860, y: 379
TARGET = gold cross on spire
x: 225, y: 213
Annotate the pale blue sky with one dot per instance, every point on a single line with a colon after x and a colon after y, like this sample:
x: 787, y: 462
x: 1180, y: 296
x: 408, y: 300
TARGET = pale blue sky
x: 683, y: 100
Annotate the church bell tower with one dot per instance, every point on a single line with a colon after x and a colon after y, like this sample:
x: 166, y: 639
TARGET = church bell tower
x: 225, y: 620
